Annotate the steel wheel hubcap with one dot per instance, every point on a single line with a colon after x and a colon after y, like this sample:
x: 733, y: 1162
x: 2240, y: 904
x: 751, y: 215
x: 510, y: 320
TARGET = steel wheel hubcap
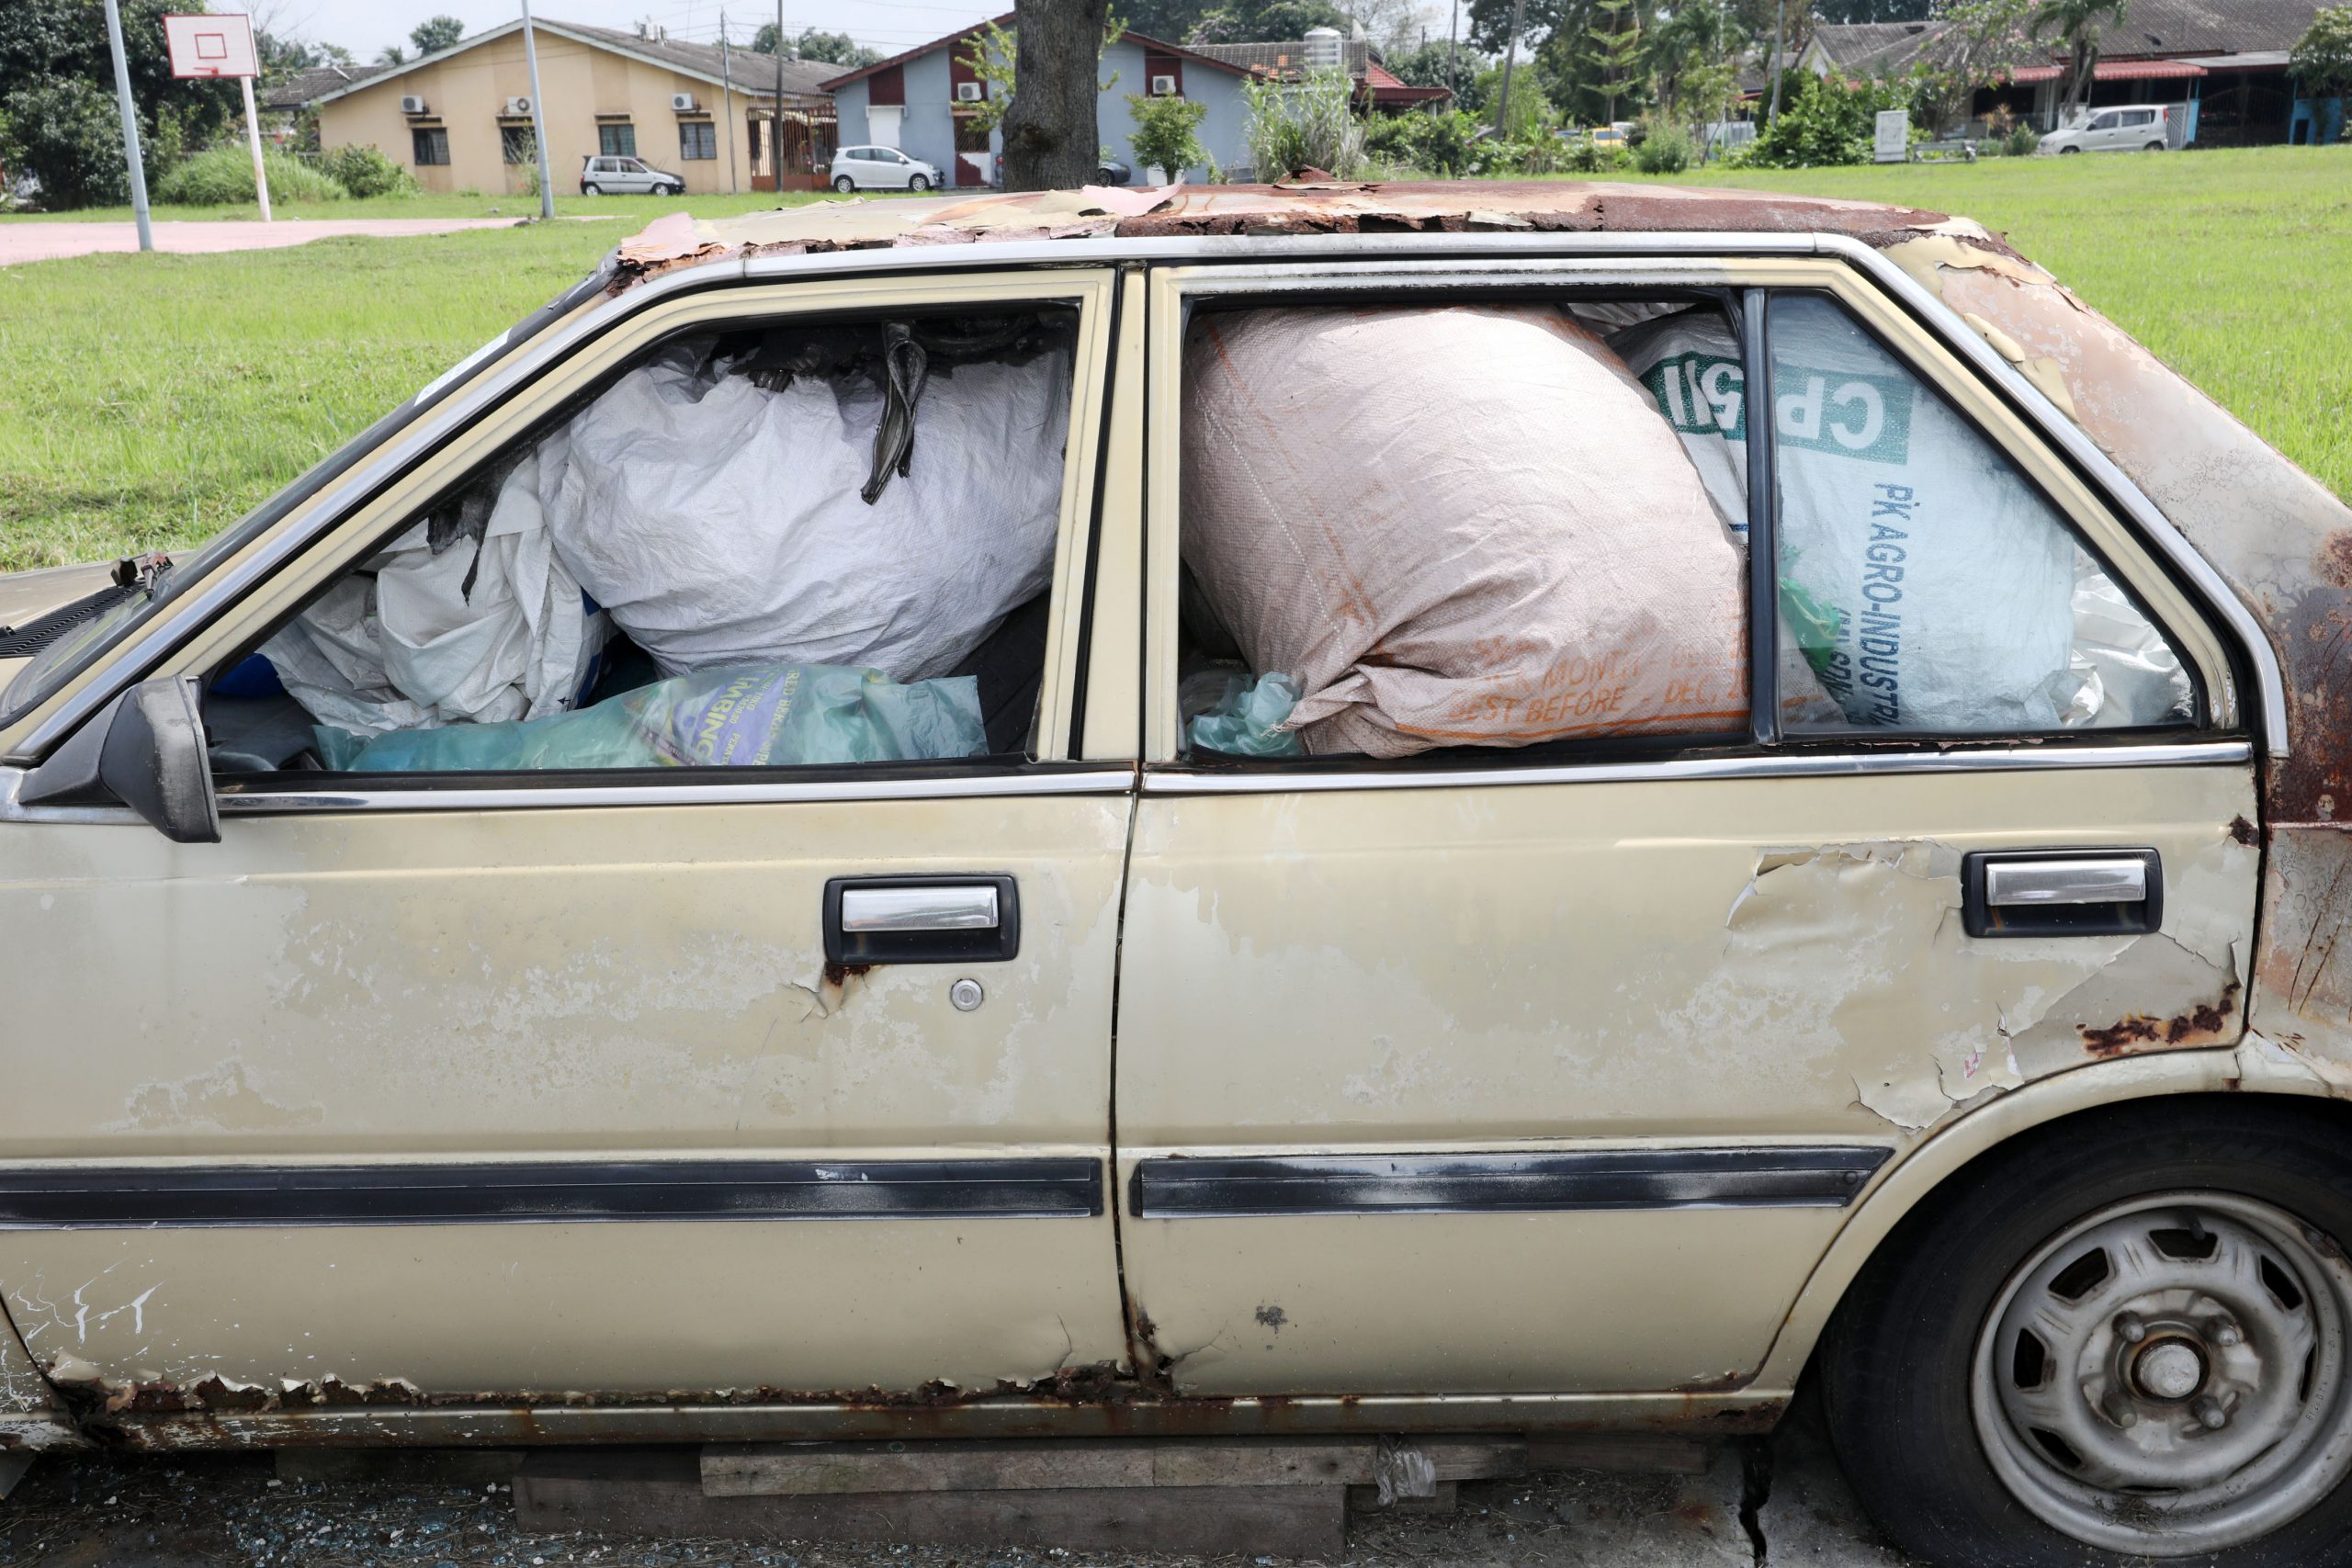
x: 2167, y: 1376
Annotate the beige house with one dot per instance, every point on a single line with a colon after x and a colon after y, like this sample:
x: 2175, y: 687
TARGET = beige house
x: 460, y: 118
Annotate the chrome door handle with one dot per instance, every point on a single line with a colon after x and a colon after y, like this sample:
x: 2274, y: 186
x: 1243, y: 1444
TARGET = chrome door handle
x: 2061, y: 892
x: 922, y: 920
x: 920, y: 907
x: 2069, y: 879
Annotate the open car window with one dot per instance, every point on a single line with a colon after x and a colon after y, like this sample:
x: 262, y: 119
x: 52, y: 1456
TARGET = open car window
x: 813, y: 542
x: 1519, y: 532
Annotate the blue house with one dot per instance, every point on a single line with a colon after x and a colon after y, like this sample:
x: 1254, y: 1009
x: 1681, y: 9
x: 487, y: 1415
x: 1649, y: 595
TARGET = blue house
x: 926, y: 103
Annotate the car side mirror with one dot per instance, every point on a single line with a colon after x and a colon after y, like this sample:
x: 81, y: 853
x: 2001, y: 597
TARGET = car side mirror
x: 146, y: 753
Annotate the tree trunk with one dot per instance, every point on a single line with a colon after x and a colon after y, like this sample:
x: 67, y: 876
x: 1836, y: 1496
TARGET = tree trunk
x: 1051, y: 141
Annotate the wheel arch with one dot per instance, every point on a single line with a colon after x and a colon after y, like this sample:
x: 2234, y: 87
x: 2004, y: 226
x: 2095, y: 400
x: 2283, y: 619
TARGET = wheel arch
x: 1956, y: 1146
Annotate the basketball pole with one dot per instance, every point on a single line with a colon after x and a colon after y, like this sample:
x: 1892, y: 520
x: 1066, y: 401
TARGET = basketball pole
x: 252, y: 138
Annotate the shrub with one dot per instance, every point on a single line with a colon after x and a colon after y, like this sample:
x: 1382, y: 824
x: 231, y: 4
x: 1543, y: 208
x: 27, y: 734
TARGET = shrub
x: 1667, y: 150
x: 364, y: 171
x: 223, y: 176
x: 1830, y: 123
x: 1166, y: 135
x: 1307, y: 124
x: 2021, y: 141
x: 1585, y: 156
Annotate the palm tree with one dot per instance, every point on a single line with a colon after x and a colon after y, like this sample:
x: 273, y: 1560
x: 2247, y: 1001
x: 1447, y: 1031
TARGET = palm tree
x: 2076, y: 21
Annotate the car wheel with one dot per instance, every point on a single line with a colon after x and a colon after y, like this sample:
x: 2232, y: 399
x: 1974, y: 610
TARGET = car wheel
x: 2124, y: 1335
x: 2068, y: 152
x: 2154, y: 147
x: 592, y: 190
x: 919, y: 182
x: 844, y: 184
x: 670, y: 190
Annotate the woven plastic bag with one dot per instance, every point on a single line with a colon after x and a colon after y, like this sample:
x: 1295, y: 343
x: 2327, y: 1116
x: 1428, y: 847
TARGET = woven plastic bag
x: 764, y: 716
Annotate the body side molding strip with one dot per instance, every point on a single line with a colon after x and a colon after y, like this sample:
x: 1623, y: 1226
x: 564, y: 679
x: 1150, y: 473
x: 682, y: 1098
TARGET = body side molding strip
x: 149, y: 1197
x: 1775, y: 1177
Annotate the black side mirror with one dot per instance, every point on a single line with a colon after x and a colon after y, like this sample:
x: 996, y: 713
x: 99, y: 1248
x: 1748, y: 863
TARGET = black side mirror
x: 146, y: 753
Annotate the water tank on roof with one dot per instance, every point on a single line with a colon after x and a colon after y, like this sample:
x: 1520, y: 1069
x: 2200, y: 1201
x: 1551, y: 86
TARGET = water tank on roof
x: 1322, y: 52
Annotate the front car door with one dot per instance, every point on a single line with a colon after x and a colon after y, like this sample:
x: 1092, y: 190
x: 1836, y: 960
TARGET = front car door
x: 419, y: 1095
x: 1548, y: 1072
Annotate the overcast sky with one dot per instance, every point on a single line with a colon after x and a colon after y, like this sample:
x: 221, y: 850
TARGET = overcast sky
x: 366, y: 26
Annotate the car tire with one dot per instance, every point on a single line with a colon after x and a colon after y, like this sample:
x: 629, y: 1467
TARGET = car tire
x: 670, y: 190
x: 844, y: 184
x: 2154, y: 147
x: 2068, y: 152
x: 1975, y: 1445
x: 918, y: 182
x: 592, y: 190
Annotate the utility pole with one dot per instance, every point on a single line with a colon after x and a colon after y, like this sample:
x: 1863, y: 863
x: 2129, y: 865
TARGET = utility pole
x: 1453, y: 54
x: 727, y: 107
x: 539, y: 119
x: 1779, y: 27
x: 1510, y: 52
x: 130, y: 125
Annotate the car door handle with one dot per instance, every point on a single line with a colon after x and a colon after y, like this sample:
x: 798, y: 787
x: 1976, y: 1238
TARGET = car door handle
x: 922, y: 920
x: 2089, y: 892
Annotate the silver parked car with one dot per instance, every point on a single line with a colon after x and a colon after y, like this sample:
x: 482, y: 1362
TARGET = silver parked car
x: 881, y: 168
x: 2132, y: 129
x: 628, y: 176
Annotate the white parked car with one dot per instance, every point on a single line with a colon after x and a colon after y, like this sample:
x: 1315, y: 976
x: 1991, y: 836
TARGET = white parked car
x: 628, y: 176
x: 881, y: 168
x: 2136, y: 128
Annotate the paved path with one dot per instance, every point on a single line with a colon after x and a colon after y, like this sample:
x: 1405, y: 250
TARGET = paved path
x: 49, y: 242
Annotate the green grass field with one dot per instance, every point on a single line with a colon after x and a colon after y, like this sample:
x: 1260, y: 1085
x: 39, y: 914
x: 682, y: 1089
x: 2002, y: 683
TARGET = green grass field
x: 150, y: 400
x: 638, y: 209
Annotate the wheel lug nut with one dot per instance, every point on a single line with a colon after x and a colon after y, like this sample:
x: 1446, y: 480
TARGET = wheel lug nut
x: 2129, y: 1327
x: 2210, y: 1414
x: 2224, y: 1333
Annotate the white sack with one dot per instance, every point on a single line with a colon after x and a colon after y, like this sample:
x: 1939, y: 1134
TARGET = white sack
x: 1951, y: 590
x: 1458, y: 526
x: 409, y: 646
x: 720, y: 523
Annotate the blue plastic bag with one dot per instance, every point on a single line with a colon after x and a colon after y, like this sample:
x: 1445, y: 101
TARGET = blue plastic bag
x: 752, y: 716
x: 1247, y: 721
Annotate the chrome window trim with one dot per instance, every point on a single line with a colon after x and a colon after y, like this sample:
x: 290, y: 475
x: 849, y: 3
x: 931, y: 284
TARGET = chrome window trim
x: 470, y: 398
x: 1768, y: 764
x: 686, y: 792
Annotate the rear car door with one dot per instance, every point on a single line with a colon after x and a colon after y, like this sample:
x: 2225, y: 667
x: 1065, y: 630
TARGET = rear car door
x: 1549, y: 1069
x: 687, y: 1085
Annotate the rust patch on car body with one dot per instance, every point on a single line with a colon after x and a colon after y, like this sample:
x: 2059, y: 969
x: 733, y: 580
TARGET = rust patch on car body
x: 2206, y: 1023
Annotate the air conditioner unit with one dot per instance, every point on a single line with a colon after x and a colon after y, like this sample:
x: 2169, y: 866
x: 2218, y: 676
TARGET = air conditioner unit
x: 684, y: 103
x: 518, y: 105
x: 1163, y: 86
x: 412, y: 106
x: 967, y: 92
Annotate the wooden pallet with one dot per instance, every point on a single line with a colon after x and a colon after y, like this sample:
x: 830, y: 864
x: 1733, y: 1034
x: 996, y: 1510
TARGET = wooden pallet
x: 1205, y: 1496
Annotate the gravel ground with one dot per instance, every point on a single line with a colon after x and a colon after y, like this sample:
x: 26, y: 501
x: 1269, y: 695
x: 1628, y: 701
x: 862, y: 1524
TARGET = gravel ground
x: 213, y: 1511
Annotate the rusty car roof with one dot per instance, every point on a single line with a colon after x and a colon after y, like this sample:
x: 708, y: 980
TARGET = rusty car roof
x: 1305, y: 206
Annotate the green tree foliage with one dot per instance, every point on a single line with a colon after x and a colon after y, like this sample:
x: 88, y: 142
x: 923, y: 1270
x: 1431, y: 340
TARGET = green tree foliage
x: 283, y: 55
x: 1440, y: 64
x: 1254, y: 21
x: 1843, y: 11
x: 58, y: 120
x: 1450, y: 143
x: 2078, y: 22
x: 1829, y: 123
x: 1667, y: 150
x: 2322, y: 60
x: 436, y: 33
x: 1613, y: 51
x: 830, y: 48
x: 1167, y: 132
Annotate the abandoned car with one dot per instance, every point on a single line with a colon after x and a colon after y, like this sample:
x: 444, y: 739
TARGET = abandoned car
x: 1314, y: 809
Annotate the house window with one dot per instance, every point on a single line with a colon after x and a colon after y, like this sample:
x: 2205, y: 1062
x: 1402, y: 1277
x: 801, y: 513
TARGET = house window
x: 429, y: 146
x: 516, y: 144
x: 616, y: 140
x: 697, y: 139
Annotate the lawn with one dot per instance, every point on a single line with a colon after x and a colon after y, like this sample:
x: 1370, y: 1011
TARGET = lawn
x: 150, y: 400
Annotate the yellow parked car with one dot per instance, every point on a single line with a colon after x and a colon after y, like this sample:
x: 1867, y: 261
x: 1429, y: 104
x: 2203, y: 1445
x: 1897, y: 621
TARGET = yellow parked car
x: 1245, y: 811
